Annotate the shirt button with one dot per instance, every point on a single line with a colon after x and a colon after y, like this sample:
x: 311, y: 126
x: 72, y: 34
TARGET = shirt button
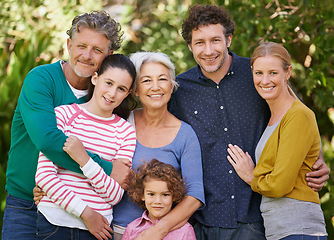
x: 232, y: 196
x: 225, y: 129
x: 195, y: 112
x: 232, y: 72
x: 221, y: 107
x: 217, y: 86
x: 230, y: 171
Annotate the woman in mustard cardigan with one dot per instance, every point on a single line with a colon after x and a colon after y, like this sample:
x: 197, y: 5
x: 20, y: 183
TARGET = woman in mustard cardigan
x: 286, y: 151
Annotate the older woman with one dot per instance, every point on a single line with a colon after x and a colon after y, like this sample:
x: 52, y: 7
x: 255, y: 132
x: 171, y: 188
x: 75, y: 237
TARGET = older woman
x: 161, y: 135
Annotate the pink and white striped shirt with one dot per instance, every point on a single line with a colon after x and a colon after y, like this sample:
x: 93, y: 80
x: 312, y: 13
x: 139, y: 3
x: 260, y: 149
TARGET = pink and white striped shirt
x: 68, y: 193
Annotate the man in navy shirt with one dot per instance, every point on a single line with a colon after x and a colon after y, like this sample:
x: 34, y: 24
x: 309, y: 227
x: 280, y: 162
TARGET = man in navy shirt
x: 218, y: 99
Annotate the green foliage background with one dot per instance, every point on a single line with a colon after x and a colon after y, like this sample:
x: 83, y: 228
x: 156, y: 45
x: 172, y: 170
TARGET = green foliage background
x: 33, y: 33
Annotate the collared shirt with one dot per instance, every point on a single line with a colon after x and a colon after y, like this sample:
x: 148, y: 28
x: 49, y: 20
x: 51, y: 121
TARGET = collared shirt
x: 186, y: 232
x: 229, y: 112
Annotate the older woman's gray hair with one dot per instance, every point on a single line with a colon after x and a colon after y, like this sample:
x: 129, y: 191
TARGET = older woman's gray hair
x: 140, y: 58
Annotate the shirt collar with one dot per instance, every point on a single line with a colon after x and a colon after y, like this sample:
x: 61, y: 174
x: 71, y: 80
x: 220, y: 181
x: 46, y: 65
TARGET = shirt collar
x: 144, y: 219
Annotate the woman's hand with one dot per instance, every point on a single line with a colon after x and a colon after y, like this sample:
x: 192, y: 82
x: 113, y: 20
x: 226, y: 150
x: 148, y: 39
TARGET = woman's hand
x: 74, y: 147
x: 122, y: 172
x: 38, y: 194
x: 152, y: 233
x: 241, y: 162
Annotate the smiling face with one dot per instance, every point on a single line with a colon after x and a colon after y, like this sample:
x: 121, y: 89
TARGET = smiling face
x: 87, y: 50
x: 210, y: 48
x: 158, y: 199
x: 111, y: 88
x: 154, y: 86
x: 270, y: 79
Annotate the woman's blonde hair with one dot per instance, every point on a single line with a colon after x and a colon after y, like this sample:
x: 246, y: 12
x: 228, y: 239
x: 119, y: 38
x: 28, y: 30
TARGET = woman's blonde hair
x: 276, y: 50
x: 272, y: 49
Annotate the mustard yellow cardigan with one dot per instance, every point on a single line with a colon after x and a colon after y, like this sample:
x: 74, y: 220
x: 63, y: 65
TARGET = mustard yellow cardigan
x: 288, y: 155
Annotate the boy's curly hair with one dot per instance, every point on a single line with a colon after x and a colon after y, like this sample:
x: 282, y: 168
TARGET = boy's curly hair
x: 160, y: 171
x: 204, y: 15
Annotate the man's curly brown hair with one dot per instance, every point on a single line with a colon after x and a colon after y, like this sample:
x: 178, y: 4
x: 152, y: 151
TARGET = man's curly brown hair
x: 204, y: 15
x: 160, y: 171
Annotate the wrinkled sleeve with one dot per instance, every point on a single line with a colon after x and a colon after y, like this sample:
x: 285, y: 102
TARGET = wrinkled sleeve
x: 48, y: 180
x: 107, y: 188
x: 189, y: 233
x: 191, y: 165
x: 295, y: 139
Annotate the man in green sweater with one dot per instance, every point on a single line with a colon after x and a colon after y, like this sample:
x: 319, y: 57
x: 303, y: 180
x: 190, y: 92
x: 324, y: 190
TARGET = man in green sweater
x: 92, y: 37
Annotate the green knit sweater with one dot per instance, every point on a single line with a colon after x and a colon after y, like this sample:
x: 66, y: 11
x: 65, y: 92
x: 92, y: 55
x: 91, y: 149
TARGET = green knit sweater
x: 34, y: 129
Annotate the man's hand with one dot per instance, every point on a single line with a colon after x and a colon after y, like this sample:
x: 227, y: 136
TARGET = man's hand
x: 122, y: 172
x: 96, y: 224
x: 317, y: 178
x: 38, y: 194
x: 74, y: 147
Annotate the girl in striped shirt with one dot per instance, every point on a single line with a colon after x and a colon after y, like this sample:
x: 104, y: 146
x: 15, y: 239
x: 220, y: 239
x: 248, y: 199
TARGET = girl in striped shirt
x: 82, y: 203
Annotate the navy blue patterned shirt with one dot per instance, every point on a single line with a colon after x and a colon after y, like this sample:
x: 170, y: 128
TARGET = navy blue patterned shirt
x: 229, y: 112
